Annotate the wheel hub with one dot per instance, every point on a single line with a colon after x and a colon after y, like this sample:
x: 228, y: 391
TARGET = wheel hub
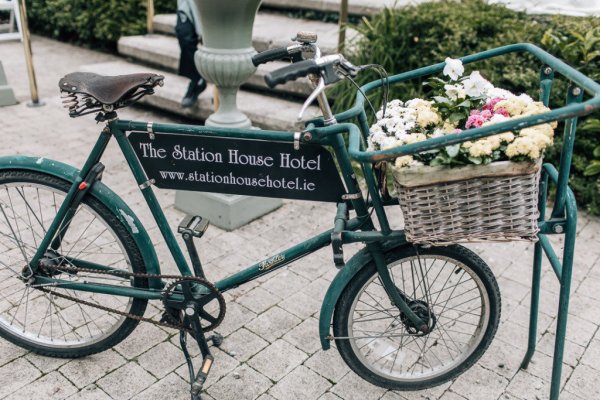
x: 421, y: 309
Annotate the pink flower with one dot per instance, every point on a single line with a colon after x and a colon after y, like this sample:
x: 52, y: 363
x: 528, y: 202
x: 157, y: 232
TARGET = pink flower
x: 475, y: 120
x: 492, y: 103
x: 486, y: 114
x: 502, y: 111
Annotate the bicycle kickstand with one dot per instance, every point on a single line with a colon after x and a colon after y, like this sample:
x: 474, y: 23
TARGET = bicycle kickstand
x: 196, y: 380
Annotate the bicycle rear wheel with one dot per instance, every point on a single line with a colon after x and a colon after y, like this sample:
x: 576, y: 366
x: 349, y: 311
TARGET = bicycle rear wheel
x: 450, y: 287
x: 37, y: 317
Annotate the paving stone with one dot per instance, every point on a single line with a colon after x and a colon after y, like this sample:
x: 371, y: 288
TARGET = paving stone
x: 541, y: 367
x: 584, y: 382
x: 352, y: 387
x: 243, y: 344
x: 244, y: 383
x: 572, y: 351
x: 285, y: 283
x: 258, y: 299
x: 266, y: 396
x: 9, y: 352
x: 46, y: 364
x: 91, y: 392
x: 301, y: 305
x: 329, y: 396
x: 235, y: 317
x: 528, y: 387
x: 15, y: 375
x: 591, y: 356
x: 300, y: 384
x: 170, y: 387
x: 162, y: 359
x: 143, y: 338
x: 273, y: 323
x: 277, y: 360
x: 479, y: 383
x: 328, y: 364
x: 305, y: 336
x: 502, y: 358
x: 514, y: 290
x: 436, y: 392
x: 84, y: 371
x: 126, y: 381
x: 50, y: 386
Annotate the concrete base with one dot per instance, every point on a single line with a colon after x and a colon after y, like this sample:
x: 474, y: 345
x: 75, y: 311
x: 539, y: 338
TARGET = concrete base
x: 225, y: 211
x: 7, y: 97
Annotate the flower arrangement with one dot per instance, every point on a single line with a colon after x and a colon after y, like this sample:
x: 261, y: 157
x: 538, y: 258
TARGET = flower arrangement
x: 460, y: 103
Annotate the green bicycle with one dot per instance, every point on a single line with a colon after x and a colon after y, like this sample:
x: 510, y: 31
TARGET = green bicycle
x: 77, y: 266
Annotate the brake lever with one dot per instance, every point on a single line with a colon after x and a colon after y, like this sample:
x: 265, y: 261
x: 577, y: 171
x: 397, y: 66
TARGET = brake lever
x: 318, y: 90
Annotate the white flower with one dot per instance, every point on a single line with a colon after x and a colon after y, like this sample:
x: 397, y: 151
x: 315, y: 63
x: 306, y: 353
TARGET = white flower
x: 475, y: 85
x: 454, y: 68
x: 455, y: 92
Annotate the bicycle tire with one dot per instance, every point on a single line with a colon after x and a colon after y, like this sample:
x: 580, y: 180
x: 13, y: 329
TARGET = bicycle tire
x: 419, y: 362
x: 50, y: 325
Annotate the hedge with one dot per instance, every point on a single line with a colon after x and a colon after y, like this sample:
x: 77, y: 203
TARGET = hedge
x: 411, y: 37
x: 94, y: 23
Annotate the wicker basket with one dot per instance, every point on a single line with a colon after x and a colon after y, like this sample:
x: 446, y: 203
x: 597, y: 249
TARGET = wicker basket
x: 474, y: 203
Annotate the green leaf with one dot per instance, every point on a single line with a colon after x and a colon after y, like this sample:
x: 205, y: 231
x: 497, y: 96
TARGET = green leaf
x: 453, y: 150
x: 593, y: 169
x: 597, y: 152
x: 475, y: 160
x: 456, y: 117
x: 441, y: 99
x: 466, y: 103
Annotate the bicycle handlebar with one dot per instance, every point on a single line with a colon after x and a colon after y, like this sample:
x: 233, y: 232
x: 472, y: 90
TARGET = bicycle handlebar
x: 292, y: 72
x: 279, y: 53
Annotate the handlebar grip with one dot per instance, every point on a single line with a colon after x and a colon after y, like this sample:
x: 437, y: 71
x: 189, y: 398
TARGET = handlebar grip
x: 270, y: 55
x: 291, y: 72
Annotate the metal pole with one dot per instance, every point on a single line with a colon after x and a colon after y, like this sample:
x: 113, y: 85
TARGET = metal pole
x: 342, y: 26
x: 35, y: 101
x: 150, y: 16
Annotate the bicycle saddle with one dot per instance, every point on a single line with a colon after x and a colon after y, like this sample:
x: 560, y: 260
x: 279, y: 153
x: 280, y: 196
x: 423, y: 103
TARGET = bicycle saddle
x: 108, y: 89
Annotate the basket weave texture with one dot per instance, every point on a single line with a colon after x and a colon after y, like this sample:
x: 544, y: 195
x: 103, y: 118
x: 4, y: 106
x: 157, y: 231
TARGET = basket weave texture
x: 495, y: 202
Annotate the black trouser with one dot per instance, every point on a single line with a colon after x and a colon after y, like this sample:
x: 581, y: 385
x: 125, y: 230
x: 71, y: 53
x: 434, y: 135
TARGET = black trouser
x: 188, y: 43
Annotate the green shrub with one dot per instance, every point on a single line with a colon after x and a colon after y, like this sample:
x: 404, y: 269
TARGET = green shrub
x: 412, y: 37
x: 94, y: 23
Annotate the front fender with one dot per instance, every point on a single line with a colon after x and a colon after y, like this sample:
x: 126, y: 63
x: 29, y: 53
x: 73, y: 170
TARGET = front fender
x: 356, y: 263
x: 101, y: 192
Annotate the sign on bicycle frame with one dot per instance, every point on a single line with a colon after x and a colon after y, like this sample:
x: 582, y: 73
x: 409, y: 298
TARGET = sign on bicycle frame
x: 239, y: 166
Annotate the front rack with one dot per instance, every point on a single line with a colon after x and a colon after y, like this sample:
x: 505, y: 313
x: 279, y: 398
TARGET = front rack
x: 563, y: 217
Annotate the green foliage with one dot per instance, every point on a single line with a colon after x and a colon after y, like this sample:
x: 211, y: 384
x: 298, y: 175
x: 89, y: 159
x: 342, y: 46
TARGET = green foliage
x: 95, y: 23
x: 411, y: 37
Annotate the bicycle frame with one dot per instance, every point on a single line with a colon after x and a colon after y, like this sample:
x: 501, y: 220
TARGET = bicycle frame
x: 369, y: 235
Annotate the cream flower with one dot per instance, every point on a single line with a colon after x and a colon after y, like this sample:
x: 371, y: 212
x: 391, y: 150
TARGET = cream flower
x: 480, y: 148
x: 455, y: 92
x: 403, y: 161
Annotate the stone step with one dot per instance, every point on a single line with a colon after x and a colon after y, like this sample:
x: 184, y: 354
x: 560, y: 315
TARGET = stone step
x: 264, y: 112
x: 274, y: 30
x: 162, y: 51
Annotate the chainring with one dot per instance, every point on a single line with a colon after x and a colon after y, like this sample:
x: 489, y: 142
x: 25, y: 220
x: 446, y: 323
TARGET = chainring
x: 210, y: 303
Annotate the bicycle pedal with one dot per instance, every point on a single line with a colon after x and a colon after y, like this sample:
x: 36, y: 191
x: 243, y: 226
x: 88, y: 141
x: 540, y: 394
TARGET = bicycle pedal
x: 194, y: 225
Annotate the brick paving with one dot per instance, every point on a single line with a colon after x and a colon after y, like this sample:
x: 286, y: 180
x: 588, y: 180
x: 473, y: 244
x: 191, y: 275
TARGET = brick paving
x: 271, y: 348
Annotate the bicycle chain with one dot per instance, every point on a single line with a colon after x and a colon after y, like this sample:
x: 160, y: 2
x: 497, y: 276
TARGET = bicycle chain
x: 127, y: 274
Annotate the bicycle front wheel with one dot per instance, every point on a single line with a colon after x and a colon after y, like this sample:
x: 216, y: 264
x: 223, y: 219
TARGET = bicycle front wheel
x: 450, y: 287
x: 40, y: 318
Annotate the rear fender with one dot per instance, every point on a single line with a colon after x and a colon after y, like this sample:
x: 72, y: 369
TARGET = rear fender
x: 101, y: 192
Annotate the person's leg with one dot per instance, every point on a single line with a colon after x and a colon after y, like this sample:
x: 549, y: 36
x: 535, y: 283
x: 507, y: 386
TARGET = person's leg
x: 188, y: 43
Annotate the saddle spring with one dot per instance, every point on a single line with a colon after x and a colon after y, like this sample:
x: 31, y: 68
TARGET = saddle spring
x: 77, y: 103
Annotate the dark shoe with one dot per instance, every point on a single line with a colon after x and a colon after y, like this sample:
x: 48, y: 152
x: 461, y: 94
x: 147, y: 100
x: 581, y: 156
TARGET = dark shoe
x: 193, y: 91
